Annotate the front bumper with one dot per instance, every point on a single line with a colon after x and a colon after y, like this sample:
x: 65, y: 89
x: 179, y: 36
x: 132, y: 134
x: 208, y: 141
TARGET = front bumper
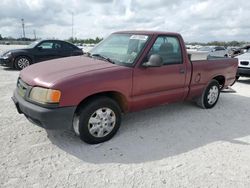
x: 243, y: 71
x: 7, y: 62
x: 48, y: 118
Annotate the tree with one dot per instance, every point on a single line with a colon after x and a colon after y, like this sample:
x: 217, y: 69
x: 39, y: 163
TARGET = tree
x: 1, y: 38
x: 86, y: 41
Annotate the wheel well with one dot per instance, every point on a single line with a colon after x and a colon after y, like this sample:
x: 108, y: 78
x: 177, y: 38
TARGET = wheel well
x: 221, y: 80
x: 118, y: 97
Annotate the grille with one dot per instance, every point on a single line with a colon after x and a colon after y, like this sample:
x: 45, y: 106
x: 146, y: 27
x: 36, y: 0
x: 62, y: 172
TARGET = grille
x: 244, y: 62
x: 21, y: 87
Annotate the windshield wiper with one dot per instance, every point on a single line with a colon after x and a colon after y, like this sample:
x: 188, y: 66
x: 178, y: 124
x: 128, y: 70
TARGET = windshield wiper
x: 103, y: 57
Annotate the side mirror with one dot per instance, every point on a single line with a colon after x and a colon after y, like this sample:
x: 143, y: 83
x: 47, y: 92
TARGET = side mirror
x: 154, y: 61
x: 39, y: 48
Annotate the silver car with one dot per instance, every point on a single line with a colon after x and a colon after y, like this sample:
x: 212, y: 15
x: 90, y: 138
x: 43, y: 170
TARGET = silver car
x: 215, y: 51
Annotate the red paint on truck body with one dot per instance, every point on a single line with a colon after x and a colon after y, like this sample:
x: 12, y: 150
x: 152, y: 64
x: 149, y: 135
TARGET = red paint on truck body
x: 80, y: 77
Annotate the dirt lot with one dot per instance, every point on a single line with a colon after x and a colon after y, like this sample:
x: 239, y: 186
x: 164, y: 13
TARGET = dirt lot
x: 4, y: 48
x: 178, y: 145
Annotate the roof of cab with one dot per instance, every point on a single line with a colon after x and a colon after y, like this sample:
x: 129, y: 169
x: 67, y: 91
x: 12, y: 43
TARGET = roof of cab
x: 148, y: 32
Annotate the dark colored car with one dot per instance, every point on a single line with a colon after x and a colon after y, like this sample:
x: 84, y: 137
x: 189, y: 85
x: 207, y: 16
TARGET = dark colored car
x: 38, y: 51
x: 234, y: 51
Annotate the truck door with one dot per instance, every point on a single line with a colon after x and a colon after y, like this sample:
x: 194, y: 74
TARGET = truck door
x: 165, y: 84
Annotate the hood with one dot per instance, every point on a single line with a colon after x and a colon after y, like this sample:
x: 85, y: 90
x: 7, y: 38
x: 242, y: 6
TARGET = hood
x: 47, y: 73
x: 245, y: 56
x: 15, y: 50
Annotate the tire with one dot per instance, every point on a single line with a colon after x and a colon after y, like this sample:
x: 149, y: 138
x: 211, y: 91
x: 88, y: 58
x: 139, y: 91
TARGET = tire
x: 236, y: 79
x: 22, y: 62
x: 99, y: 120
x: 210, y: 95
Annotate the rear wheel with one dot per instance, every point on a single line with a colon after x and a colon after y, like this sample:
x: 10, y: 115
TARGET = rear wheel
x: 236, y: 79
x: 210, y: 95
x: 98, y: 120
x: 22, y: 62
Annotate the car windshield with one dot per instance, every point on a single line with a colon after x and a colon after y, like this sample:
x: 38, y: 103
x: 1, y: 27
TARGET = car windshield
x: 33, y: 44
x: 205, y: 48
x: 120, y: 48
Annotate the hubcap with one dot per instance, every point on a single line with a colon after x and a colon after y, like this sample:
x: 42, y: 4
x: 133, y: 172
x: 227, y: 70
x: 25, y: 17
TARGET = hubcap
x: 23, y: 62
x: 101, y: 122
x: 213, y: 95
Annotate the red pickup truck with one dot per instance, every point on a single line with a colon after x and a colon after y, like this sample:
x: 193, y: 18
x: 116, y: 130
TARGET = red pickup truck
x: 128, y: 71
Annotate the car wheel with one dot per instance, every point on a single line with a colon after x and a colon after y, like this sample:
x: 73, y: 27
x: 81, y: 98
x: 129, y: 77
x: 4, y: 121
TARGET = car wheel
x: 236, y: 79
x: 22, y: 62
x: 210, y: 95
x: 98, y: 120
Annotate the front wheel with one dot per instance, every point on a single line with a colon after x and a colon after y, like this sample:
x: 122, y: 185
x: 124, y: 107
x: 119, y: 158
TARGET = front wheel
x: 99, y: 120
x: 22, y: 62
x: 210, y: 95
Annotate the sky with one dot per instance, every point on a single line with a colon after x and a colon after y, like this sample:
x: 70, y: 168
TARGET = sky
x: 196, y: 20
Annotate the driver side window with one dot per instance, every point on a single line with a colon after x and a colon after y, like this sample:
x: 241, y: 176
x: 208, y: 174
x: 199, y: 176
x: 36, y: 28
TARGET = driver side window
x: 49, y: 45
x: 46, y: 45
x: 168, y: 48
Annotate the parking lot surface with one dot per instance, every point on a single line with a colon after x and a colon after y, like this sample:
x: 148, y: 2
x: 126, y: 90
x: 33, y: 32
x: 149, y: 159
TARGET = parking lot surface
x: 178, y: 145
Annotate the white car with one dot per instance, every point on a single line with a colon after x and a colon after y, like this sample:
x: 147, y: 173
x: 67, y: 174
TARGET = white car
x: 215, y: 51
x: 244, y: 64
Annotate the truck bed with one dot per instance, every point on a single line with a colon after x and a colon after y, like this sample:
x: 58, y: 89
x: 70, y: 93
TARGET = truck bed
x: 205, y: 70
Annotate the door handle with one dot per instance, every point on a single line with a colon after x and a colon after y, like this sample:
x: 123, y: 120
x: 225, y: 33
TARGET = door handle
x: 182, y: 71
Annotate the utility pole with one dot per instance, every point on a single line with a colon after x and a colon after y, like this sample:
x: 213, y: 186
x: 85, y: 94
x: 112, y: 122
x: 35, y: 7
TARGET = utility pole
x: 72, y: 26
x: 23, y: 27
x: 34, y: 31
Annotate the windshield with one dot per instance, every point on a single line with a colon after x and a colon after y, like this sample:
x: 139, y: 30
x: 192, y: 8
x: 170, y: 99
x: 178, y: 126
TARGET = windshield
x: 33, y: 44
x: 205, y: 48
x: 121, y: 48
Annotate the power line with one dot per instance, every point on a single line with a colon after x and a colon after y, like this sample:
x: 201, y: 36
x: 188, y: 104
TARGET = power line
x: 23, y: 27
x: 34, y: 32
x: 72, y: 26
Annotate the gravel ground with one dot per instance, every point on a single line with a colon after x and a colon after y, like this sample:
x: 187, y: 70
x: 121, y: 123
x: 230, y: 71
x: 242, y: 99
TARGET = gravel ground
x: 179, y: 145
x: 4, y: 48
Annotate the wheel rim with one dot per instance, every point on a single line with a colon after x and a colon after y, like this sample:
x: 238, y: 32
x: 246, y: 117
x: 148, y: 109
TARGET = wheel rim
x: 101, y: 122
x: 213, y: 95
x: 23, y: 62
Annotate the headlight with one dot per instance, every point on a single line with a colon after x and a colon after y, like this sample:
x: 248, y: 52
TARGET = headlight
x: 45, y: 96
x: 8, y: 54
